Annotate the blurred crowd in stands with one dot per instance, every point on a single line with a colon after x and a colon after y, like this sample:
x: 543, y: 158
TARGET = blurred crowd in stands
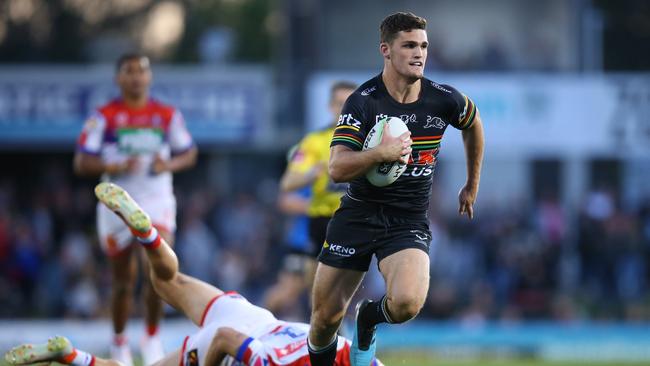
x: 514, y: 262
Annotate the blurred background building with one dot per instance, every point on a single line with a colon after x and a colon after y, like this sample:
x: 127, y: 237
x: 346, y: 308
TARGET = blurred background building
x: 562, y: 228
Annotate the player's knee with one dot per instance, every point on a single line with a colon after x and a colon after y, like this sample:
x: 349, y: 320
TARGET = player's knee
x: 405, y: 307
x: 324, y: 317
x: 226, y: 338
x: 159, y: 285
x: 219, y: 337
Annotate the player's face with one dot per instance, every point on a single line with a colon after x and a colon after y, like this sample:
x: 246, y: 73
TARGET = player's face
x: 134, y: 78
x: 338, y: 100
x: 407, y: 53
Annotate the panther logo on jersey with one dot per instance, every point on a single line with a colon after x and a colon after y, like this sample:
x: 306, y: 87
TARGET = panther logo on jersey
x: 436, y: 122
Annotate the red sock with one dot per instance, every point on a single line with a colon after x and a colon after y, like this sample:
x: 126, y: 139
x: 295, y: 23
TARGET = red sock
x: 152, y: 330
x: 67, y: 359
x: 150, y: 239
x: 78, y: 358
x: 119, y: 339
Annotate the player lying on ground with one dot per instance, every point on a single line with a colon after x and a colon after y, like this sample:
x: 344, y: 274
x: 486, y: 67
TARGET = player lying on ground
x: 233, y: 331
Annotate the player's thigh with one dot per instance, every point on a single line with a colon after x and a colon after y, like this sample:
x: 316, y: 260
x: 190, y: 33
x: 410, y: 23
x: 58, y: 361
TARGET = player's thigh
x: 406, y: 273
x: 333, y: 288
x: 188, y: 295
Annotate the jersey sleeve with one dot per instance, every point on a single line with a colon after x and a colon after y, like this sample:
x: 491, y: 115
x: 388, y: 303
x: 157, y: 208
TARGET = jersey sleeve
x: 180, y: 139
x: 92, y: 135
x: 463, y: 109
x: 252, y: 353
x: 305, y: 156
x: 352, y: 125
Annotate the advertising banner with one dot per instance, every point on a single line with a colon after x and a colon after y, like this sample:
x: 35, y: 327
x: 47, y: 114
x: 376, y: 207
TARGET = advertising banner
x: 48, y: 105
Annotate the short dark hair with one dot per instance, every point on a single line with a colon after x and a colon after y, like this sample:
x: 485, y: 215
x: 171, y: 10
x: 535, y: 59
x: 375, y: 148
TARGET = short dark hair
x: 128, y: 57
x: 342, y: 84
x: 395, y: 23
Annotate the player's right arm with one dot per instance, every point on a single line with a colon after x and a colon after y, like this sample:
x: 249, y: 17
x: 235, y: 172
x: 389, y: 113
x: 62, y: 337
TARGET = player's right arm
x: 87, y: 158
x: 345, y: 163
x: 348, y: 160
x: 229, y: 342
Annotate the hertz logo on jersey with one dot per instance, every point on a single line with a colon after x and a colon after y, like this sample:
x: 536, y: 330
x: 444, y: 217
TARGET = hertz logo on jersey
x: 348, y: 120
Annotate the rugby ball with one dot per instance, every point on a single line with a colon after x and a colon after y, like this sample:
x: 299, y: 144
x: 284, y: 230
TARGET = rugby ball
x: 383, y: 174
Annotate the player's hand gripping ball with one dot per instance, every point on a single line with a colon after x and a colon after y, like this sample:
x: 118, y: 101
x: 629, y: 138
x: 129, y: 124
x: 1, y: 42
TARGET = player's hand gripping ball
x: 383, y: 174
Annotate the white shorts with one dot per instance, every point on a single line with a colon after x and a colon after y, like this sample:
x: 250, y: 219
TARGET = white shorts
x: 227, y: 310
x: 115, y: 236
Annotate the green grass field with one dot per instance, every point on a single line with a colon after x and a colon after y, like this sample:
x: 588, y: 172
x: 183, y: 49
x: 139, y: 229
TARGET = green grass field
x: 411, y: 359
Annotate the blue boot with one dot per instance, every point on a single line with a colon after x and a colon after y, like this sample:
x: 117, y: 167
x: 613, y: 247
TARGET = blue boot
x: 364, y: 345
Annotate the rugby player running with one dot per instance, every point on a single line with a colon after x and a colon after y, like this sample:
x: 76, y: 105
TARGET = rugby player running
x: 388, y: 222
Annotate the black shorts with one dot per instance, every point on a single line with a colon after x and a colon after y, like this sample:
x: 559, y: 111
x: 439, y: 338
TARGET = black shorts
x: 360, y: 229
x: 317, y: 231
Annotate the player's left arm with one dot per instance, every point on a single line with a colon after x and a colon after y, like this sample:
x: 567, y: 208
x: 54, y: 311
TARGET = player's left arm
x: 464, y: 115
x: 229, y: 342
x: 473, y: 141
x: 183, y: 148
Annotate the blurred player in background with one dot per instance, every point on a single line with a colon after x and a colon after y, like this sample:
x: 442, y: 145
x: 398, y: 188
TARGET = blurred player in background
x: 233, y: 331
x: 388, y: 222
x: 284, y: 298
x: 308, y: 168
x: 138, y: 143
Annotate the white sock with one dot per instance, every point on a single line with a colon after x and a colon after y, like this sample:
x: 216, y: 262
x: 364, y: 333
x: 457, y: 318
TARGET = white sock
x: 153, y: 233
x: 82, y: 359
x: 320, y: 348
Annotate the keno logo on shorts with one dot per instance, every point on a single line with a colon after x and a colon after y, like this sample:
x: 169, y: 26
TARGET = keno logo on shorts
x: 340, y: 250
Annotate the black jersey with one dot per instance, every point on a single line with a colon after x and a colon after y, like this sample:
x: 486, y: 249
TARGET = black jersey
x: 427, y: 118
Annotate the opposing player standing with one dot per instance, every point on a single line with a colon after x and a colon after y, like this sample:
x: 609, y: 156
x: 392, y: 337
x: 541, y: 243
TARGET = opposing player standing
x: 308, y: 168
x: 233, y: 331
x: 137, y: 142
x: 389, y: 222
